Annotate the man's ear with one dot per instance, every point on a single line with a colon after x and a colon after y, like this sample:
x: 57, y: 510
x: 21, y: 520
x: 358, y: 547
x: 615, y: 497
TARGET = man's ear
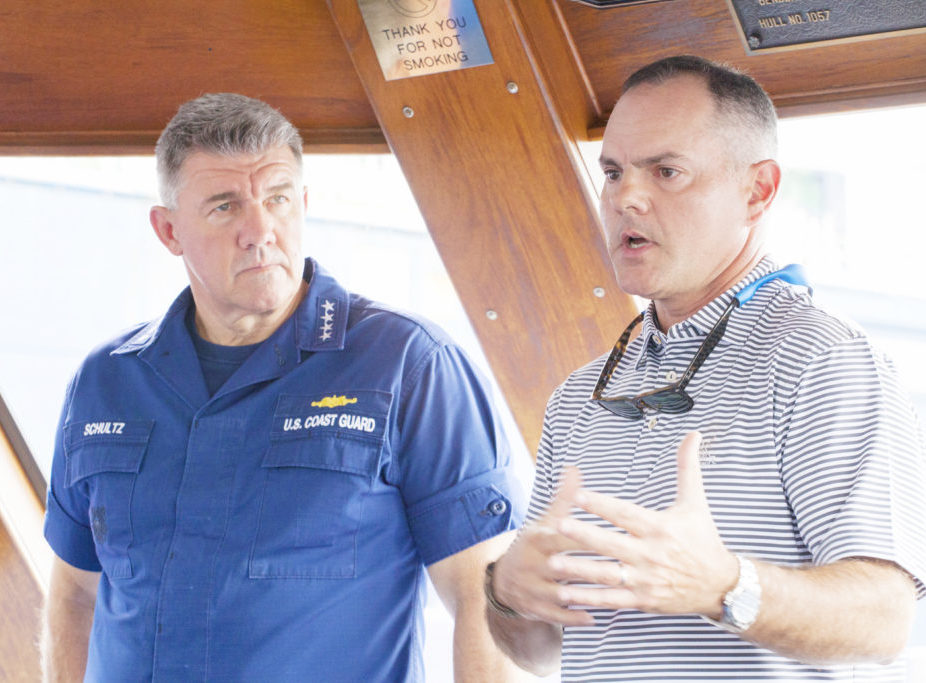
x: 160, y: 217
x: 766, y: 176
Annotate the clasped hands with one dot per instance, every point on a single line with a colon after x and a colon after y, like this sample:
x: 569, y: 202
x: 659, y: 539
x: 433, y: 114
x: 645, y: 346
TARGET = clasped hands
x: 669, y: 562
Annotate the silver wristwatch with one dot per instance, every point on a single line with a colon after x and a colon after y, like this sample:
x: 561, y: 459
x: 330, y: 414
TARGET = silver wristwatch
x: 741, y: 603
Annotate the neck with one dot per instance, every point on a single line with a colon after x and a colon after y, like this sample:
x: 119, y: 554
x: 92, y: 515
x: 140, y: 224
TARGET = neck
x: 671, y: 312
x: 243, y: 329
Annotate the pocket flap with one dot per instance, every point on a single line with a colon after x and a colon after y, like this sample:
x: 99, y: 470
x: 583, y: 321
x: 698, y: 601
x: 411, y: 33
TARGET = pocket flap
x: 352, y: 456
x: 105, y: 446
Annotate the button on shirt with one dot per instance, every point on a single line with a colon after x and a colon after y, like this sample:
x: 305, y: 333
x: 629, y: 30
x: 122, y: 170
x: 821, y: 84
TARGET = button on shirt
x: 279, y: 529
x: 806, y: 438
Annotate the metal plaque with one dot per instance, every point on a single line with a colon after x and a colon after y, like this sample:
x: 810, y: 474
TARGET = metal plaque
x: 770, y: 24
x: 420, y: 37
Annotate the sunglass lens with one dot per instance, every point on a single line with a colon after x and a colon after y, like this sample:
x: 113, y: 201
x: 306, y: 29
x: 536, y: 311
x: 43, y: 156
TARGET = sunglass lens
x: 624, y: 409
x: 669, y: 402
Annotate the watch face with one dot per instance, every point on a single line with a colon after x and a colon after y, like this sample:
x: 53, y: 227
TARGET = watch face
x: 740, y: 613
x: 744, y: 609
x: 741, y: 605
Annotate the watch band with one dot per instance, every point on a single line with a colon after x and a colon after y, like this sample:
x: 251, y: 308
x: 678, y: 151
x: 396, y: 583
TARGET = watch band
x: 741, y: 603
x: 491, y: 598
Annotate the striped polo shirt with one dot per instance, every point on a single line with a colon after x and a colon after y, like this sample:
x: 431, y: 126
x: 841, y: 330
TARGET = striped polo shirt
x: 811, y: 454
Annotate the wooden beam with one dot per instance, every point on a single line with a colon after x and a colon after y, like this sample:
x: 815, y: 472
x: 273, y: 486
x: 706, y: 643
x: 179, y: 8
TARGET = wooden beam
x: 86, y: 76
x: 25, y: 568
x: 20, y: 607
x: 22, y: 513
x: 507, y: 200
x: 103, y: 77
x: 141, y: 142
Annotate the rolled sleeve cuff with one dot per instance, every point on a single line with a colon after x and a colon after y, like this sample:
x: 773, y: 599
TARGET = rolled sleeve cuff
x: 472, y: 511
x: 909, y: 565
x: 72, y: 542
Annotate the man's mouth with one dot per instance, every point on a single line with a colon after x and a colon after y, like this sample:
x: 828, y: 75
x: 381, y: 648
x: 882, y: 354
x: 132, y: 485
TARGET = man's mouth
x: 257, y: 267
x: 633, y: 241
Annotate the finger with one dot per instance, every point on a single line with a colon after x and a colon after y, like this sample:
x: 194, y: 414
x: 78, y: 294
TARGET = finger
x: 570, y: 617
x: 633, y: 518
x: 609, y: 543
x: 546, y: 540
x: 537, y: 598
x: 558, y: 613
x: 609, y: 598
x: 690, y: 483
x: 569, y: 484
x: 590, y: 571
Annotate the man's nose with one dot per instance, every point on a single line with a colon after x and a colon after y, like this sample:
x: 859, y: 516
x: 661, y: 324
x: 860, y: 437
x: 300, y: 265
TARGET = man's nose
x: 257, y: 228
x: 627, y: 194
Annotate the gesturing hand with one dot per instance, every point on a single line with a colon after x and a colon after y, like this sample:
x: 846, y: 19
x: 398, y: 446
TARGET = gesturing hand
x: 670, y: 562
x: 524, y: 578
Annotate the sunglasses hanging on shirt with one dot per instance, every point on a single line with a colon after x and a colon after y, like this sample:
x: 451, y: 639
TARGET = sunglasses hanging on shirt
x: 673, y: 398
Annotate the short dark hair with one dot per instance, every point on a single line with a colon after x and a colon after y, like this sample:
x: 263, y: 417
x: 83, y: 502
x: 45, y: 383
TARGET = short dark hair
x: 737, y: 95
x: 220, y: 123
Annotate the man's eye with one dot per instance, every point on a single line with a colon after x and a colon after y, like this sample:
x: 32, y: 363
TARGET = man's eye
x: 668, y: 172
x: 279, y: 199
x: 222, y: 208
x: 612, y: 174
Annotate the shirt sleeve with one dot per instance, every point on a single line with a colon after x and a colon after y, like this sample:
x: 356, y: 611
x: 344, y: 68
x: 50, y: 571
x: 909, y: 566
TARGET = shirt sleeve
x: 454, y: 463
x: 545, y: 480
x: 67, y: 527
x: 852, y: 460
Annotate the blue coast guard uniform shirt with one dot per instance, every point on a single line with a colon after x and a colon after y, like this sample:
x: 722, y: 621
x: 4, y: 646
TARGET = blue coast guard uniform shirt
x: 278, y: 530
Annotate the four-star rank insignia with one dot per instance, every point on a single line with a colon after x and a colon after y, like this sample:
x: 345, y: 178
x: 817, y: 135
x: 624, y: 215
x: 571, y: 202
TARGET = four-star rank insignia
x: 327, y: 311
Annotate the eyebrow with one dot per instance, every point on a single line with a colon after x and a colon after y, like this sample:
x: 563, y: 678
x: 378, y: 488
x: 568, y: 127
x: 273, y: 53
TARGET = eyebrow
x: 225, y: 196
x: 287, y: 185
x: 648, y: 161
x: 221, y: 197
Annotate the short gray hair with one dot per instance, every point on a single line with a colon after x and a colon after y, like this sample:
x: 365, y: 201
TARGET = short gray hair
x: 219, y: 123
x: 738, y: 97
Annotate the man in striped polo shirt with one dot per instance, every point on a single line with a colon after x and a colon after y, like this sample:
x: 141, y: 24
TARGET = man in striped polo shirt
x: 784, y: 538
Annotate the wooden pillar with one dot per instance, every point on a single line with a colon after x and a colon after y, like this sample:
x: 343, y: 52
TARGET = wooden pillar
x: 491, y: 158
x: 25, y: 560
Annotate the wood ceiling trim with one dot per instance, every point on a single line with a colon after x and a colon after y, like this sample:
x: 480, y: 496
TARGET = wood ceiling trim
x: 859, y: 101
x: 833, y: 101
x: 90, y: 77
x: 104, y: 78
x: 141, y: 142
x: 832, y: 76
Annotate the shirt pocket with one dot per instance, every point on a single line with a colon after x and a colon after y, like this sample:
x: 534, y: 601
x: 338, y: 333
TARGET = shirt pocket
x: 312, y: 506
x: 103, y: 460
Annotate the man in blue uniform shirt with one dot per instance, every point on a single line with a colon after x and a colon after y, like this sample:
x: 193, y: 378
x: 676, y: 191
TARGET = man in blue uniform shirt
x: 251, y: 487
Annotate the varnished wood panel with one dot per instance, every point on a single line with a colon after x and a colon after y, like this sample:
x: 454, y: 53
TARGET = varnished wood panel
x: 104, y: 77
x: 613, y: 43
x: 20, y: 605
x: 22, y: 505
x: 85, y: 75
x: 551, y: 45
x: 499, y: 184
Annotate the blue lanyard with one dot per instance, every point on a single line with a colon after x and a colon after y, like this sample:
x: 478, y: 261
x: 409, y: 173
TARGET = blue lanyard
x: 793, y: 274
